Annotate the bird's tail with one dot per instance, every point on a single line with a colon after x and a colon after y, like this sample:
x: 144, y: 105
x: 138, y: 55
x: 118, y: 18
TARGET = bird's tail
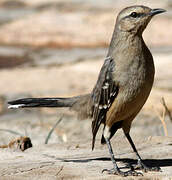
x: 42, y: 102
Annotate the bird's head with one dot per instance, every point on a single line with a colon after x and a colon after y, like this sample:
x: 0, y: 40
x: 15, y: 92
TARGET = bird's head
x: 135, y: 18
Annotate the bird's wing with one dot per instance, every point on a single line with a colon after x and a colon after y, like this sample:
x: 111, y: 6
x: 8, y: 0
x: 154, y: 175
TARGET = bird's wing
x: 103, y: 95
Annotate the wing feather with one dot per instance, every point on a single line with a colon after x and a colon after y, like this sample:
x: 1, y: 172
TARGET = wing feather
x: 103, y: 95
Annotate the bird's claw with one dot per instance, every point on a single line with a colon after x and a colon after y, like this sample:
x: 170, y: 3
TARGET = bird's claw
x: 141, y: 166
x: 115, y: 172
x: 133, y: 173
x: 121, y: 173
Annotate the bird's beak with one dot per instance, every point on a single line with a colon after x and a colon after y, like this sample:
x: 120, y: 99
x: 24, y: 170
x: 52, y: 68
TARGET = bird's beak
x: 156, y: 11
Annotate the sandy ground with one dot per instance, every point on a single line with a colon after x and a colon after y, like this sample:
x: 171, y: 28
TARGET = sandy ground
x: 75, y: 160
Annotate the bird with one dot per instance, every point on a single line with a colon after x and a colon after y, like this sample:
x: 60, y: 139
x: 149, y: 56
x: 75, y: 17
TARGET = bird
x: 122, y: 88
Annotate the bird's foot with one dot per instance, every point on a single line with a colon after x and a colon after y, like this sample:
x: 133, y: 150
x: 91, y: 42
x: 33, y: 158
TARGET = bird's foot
x: 121, y: 173
x: 141, y: 166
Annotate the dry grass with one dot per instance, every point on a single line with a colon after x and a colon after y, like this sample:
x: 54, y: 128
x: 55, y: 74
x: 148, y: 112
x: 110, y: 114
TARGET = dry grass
x: 53, y: 128
x: 166, y: 109
x: 162, y: 116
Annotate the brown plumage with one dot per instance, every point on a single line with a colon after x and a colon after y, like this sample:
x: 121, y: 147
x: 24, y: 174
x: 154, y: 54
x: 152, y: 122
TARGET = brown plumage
x: 123, y: 85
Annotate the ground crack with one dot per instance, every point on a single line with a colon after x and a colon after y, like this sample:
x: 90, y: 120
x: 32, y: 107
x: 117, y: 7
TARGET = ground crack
x: 20, y: 171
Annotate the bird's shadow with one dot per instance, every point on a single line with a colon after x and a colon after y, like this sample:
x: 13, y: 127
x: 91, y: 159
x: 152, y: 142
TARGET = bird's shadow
x: 148, y: 162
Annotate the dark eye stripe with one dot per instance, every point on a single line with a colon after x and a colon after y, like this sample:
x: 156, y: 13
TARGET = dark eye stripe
x: 136, y: 15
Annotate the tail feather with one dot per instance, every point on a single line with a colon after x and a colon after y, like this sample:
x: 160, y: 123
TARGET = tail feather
x: 42, y: 102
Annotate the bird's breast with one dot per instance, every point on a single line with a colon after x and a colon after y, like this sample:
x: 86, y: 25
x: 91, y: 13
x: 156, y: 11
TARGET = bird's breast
x: 135, y: 81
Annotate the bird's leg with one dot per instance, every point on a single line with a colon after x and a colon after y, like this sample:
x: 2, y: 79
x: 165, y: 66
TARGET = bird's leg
x: 116, y: 169
x: 140, y: 164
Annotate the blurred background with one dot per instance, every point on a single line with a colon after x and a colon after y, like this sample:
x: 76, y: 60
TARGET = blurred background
x: 51, y: 48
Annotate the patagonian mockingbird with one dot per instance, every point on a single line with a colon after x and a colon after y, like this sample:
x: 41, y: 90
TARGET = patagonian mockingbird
x: 123, y: 86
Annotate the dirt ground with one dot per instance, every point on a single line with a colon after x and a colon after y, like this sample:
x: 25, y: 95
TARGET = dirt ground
x: 75, y: 160
x: 56, y: 48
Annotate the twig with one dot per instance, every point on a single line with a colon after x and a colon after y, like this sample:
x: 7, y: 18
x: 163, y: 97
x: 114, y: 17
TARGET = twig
x: 51, y: 131
x: 162, y: 118
x: 11, y: 131
x: 166, y: 108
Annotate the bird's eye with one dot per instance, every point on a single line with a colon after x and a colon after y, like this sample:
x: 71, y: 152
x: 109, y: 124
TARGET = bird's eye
x: 133, y: 14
